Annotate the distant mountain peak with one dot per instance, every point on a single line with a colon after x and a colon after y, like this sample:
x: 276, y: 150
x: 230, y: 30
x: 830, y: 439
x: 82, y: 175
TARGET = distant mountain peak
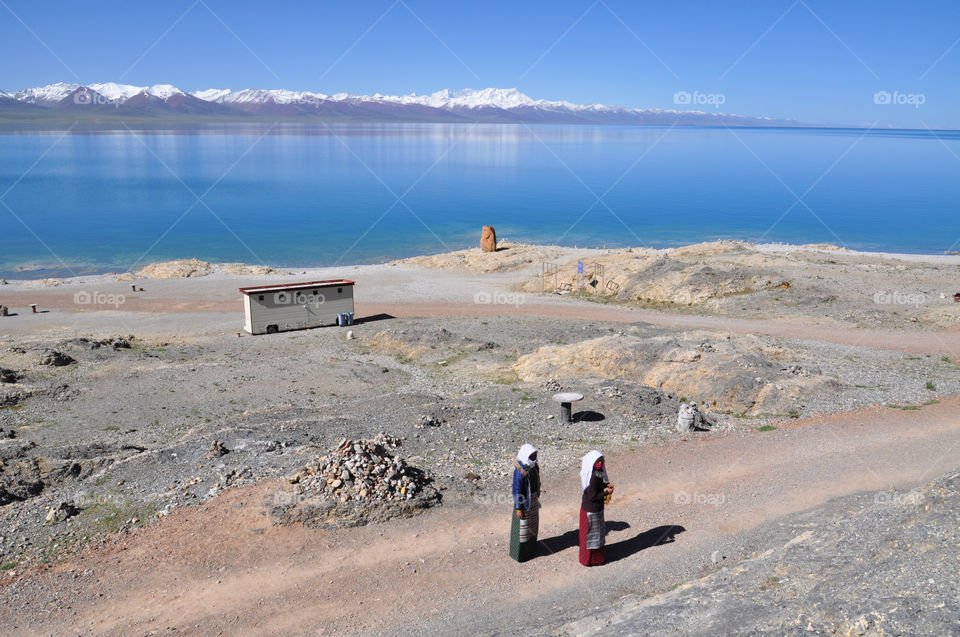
x: 164, y: 91
x: 211, y: 94
x: 50, y: 94
x: 116, y: 92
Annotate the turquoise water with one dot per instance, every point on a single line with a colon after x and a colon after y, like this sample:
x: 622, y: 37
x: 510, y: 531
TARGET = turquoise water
x: 296, y: 195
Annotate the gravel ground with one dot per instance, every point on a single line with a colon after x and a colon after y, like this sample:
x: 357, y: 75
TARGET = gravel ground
x: 124, y: 434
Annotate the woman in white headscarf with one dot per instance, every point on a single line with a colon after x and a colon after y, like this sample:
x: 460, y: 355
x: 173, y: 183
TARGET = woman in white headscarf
x: 526, y: 504
x: 596, y: 491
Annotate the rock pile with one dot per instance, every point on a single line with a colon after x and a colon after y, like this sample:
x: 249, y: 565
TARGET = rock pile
x: 362, y: 470
x: 216, y: 450
x: 551, y: 385
x: 116, y: 342
x: 53, y: 358
x: 61, y: 512
x: 429, y: 420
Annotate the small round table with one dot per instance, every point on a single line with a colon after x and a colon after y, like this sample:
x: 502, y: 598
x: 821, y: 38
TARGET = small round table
x: 566, y: 400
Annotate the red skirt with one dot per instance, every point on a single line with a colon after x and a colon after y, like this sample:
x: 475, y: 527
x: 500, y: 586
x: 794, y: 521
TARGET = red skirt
x: 589, y: 557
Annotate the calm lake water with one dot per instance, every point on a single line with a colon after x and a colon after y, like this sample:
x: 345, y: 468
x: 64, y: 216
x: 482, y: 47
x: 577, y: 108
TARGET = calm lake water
x: 296, y: 195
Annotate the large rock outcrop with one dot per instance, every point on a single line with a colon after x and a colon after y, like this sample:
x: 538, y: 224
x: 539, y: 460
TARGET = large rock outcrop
x: 737, y: 374
x: 693, y: 275
x: 508, y: 257
x: 190, y: 268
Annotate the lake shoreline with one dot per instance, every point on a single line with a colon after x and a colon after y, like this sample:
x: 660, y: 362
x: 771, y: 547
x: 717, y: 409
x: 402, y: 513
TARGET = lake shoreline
x: 29, y: 273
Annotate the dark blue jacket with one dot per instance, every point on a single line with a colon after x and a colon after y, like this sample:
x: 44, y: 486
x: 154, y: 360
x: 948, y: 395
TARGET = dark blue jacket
x: 524, y: 486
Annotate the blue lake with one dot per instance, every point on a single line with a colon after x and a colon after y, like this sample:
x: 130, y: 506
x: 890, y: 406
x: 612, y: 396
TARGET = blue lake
x: 297, y: 195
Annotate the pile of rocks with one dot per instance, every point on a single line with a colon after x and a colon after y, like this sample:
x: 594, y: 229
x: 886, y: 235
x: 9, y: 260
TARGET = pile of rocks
x: 53, y: 358
x: 116, y: 342
x: 551, y: 385
x: 362, y: 471
x: 429, y: 420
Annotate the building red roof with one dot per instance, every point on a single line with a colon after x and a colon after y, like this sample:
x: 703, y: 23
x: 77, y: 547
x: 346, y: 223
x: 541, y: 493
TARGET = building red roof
x: 258, y: 289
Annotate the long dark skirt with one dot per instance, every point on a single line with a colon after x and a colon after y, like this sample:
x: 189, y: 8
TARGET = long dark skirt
x: 523, y: 534
x: 589, y: 537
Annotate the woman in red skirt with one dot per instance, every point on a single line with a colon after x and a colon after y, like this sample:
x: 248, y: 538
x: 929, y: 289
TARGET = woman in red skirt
x: 596, y: 491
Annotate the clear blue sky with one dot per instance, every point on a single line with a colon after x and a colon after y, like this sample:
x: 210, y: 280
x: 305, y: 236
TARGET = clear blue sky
x: 816, y: 60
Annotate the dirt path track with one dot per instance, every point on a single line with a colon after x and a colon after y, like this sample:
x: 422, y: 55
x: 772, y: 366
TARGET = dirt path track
x: 929, y: 342
x: 933, y: 342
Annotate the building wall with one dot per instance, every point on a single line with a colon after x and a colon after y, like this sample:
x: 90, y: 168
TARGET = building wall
x: 298, y: 309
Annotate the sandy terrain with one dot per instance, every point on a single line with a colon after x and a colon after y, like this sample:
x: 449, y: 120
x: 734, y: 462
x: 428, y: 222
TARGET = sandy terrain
x: 808, y: 402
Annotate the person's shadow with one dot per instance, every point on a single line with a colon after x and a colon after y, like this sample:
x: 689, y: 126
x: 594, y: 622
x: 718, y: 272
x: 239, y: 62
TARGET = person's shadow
x: 559, y: 543
x: 618, y: 550
x: 656, y: 536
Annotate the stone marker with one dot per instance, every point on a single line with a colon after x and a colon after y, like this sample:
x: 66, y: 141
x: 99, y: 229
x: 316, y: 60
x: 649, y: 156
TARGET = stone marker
x: 488, y: 239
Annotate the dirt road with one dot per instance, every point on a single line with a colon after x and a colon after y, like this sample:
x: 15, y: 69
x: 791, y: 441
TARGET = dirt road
x: 945, y: 342
x: 222, y: 569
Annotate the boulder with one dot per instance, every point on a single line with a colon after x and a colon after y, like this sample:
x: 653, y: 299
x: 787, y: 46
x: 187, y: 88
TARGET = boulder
x: 488, y: 239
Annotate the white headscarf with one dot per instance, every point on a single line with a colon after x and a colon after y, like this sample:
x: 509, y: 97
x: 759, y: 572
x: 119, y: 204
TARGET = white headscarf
x: 523, y: 456
x: 586, y: 468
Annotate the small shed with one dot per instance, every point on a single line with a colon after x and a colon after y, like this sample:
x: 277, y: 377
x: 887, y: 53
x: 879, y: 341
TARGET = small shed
x: 295, y: 306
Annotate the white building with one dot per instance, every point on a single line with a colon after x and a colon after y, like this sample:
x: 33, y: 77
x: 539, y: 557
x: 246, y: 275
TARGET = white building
x: 294, y: 306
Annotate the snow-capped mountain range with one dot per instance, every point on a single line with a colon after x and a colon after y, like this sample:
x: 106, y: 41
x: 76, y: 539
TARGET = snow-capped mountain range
x: 164, y: 101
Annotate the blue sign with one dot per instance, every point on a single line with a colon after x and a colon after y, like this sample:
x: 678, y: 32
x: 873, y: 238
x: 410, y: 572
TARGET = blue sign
x: 579, y: 267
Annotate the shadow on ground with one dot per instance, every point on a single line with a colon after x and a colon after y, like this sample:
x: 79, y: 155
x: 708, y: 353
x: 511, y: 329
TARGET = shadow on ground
x: 372, y: 318
x: 587, y: 416
x: 656, y: 536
